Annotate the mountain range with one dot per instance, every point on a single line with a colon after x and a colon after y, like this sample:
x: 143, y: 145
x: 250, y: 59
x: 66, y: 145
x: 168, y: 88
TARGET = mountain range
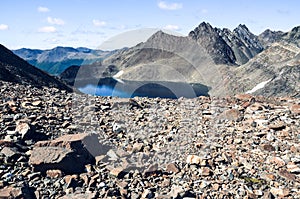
x: 229, y: 62
x: 15, y: 69
x: 56, y: 60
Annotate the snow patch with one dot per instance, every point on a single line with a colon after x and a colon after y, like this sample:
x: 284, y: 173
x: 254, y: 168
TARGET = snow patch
x: 118, y: 74
x: 258, y: 86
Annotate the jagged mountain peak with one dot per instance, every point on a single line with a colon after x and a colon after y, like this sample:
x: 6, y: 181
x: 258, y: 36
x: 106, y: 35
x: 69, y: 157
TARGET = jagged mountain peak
x: 242, y: 27
x: 205, y: 25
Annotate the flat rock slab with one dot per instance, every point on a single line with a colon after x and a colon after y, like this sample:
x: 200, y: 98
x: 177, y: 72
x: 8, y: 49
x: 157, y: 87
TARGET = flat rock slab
x: 69, y: 153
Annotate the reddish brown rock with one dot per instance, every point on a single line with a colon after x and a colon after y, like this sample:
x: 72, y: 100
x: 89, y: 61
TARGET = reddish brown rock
x: 243, y: 97
x: 284, y: 173
x: 205, y: 171
x: 278, y: 161
x: 16, y: 192
x: 6, y: 192
x: 117, y: 172
x: 280, y: 192
x: 69, y: 153
x: 54, y: 173
x: 231, y: 115
x: 295, y: 108
x: 172, y: 168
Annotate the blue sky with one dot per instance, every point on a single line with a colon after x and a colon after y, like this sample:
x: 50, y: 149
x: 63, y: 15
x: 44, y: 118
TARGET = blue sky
x: 45, y: 24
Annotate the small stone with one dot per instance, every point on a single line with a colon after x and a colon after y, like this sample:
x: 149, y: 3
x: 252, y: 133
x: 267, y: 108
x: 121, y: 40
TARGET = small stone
x: 88, y: 168
x: 172, y: 168
x: 117, y: 172
x: 151, y: 170
x: 55, y: 173
x: 284, y: 173
x: 77, y: 195
x: 193, y: 159
x: 293, y: 168
x: 25, y: 130
x: 36, y: 103
x: 231, y: 115
x: 295, y: 109
x: 10, y: 153
x: 147, y: 194
x: 34, y: 175
x: 205, y: 171
x: 254, y: 107
x: 93, y: 180
x: 122, y: 184
x: 280, y: 192
x: 204, y: 184
x: 73, y: 182
x: 278, y: 161
x: 268, y: 147
x: 166, y: 182
x: 244, y: 97
x: 6, y: 143
x: 68, y: 178
x: 215, y: 187
x: 270, y: 137
x: 258, y: 192
x: 99, y: 158
x: 270, y: 177
x: 277, y: 126
x: 137, y: 147
x: 294, y: 149
x: 175, y: 191
x: 85, y: 178
x: 6, y: 192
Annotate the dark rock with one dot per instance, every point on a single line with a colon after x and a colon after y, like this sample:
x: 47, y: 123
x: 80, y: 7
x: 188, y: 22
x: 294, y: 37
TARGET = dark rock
x: 268, y: 147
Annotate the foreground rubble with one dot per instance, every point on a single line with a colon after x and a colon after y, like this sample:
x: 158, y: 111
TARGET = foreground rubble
x: 55, y: 144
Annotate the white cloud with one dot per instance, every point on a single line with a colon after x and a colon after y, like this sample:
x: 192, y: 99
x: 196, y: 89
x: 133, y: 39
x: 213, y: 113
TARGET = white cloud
x: 171, y: 27
x: 99, y: 23
x: 47, y: 29
x: 169, y: 6
x: 55, y: 21
x: 43, y: 9
x: 3, y: 27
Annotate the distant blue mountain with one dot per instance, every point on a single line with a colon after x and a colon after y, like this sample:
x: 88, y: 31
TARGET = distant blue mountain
x: 56, y: 60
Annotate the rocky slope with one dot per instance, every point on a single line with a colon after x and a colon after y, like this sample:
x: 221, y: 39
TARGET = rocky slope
x: 55, y: 144
x: 275, y: 71
x: 15, y: 69
x: 56, y: 60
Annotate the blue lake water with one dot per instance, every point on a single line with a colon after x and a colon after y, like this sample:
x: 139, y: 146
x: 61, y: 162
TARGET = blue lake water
x: 129, y: 89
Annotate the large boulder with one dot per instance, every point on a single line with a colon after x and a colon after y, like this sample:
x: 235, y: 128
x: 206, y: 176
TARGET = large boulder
x: 68, y: 153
